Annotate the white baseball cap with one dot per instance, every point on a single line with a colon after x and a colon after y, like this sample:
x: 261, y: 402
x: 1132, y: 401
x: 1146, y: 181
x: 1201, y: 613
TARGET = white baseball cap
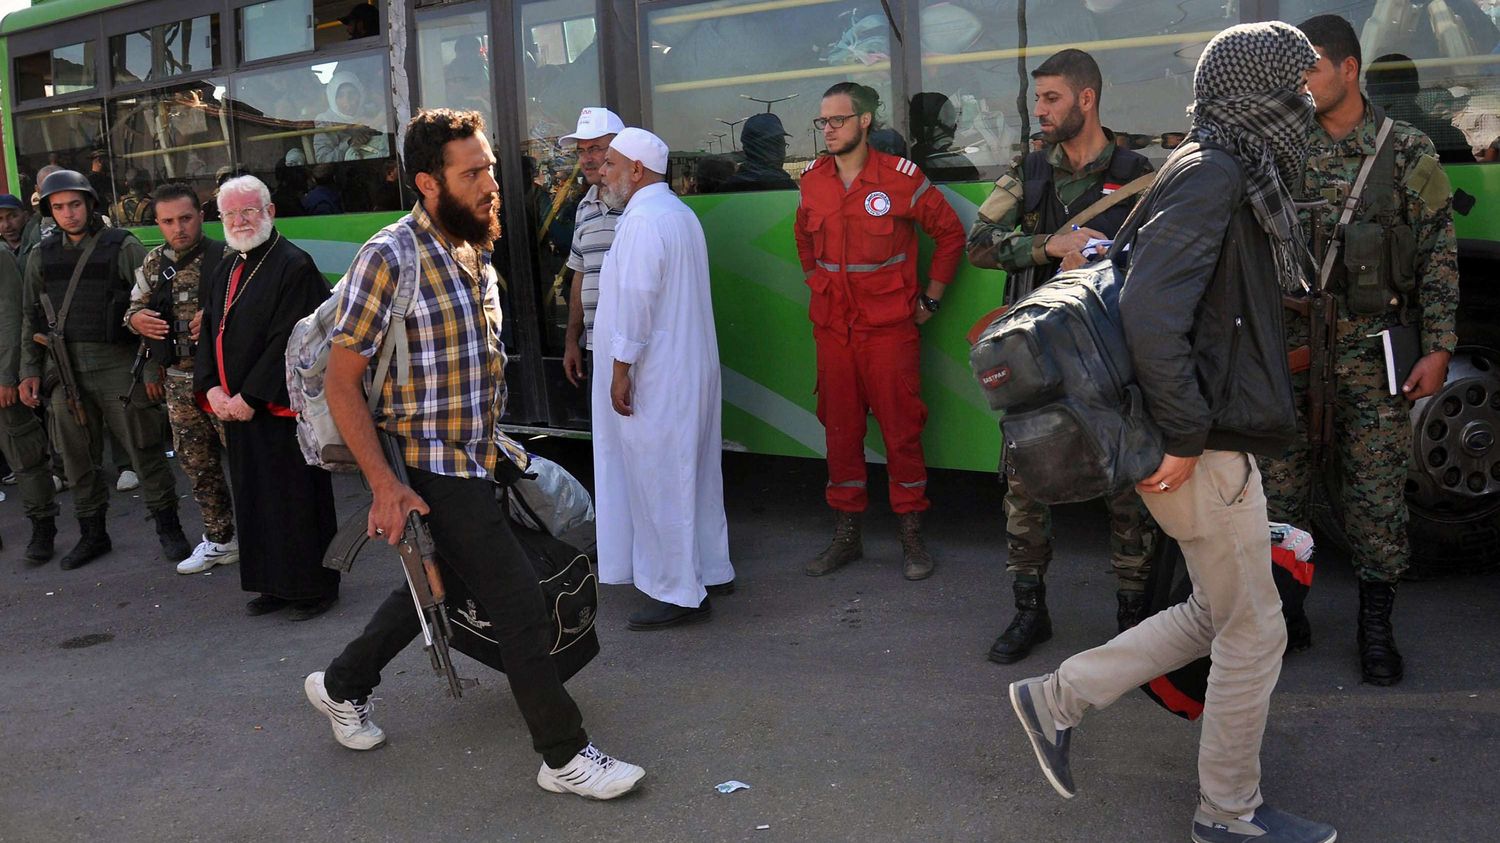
x: 640, y: 145
x: 594, y: 122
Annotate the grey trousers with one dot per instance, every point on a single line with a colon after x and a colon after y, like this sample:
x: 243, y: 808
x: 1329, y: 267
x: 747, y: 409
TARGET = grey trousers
x: 1234, y: 614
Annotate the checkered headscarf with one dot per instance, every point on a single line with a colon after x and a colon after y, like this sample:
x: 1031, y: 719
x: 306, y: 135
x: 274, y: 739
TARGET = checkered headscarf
x: 1247, y: 100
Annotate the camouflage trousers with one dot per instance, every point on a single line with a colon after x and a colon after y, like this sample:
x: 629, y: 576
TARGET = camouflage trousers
x: 199, y: 444
x: 1371, y: 450
x: 1028, y: 535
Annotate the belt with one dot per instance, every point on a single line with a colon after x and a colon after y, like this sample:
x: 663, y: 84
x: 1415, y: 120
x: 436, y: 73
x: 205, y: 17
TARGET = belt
x: 863, y: 267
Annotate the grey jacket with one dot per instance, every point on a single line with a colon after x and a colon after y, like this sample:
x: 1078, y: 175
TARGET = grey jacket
x: 1202, y: 314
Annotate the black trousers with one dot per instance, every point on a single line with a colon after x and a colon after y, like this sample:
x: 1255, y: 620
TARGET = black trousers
x: 474, y: 542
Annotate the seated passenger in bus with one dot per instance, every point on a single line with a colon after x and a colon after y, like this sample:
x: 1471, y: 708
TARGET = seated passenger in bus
x: 349, y: 118
x: 324, y: 197
x: 135, y: 207
x: 934, y: 125
x: 362, y: 21
x: 764, y: 142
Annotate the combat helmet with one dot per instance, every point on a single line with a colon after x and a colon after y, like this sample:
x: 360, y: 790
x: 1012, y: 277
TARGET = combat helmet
x: 65, y: 180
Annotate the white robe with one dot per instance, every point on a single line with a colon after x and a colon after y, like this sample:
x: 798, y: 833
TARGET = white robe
x: 658, y: 476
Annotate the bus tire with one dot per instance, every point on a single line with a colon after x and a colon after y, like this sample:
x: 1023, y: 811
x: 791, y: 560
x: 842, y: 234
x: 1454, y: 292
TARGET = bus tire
x: 1452, y: 533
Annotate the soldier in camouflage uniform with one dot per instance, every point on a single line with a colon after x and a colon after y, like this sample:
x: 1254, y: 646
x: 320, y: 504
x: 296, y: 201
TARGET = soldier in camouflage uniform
x: 1401, y: 246
x: 169, y: 281
x: 1014, y: 231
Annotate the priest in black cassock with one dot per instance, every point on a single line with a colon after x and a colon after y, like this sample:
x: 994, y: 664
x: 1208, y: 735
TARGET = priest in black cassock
x: 283, y: 508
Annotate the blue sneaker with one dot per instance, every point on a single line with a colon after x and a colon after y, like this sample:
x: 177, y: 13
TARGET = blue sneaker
x: 1266, y: 825
x: 1048, y: 741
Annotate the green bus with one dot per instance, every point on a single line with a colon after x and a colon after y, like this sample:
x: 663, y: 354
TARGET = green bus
x: 310, y: 96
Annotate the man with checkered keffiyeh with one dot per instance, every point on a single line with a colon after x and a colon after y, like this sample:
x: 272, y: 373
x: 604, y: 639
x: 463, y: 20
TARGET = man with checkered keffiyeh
x: 1201, y: 309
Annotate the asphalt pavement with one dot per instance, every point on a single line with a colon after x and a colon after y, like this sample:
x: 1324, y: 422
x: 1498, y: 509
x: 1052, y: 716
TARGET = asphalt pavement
x: 140, y: 705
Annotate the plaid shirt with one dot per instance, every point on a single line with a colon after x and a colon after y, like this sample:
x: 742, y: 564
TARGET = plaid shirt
x: 447, y: 415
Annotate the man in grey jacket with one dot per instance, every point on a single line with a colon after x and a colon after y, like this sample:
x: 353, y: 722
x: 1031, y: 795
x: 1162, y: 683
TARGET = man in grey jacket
x: 1201, y: 308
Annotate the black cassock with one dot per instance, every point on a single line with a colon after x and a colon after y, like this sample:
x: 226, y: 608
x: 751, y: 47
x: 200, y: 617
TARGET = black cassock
x: 283, y: 508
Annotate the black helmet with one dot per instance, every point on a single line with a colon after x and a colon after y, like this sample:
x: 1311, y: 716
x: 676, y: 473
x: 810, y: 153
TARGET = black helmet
x: 64, y: 180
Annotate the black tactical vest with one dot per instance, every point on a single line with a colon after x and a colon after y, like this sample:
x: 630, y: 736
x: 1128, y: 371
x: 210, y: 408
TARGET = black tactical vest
x: 97, y: 313
x: 178, y: 343
x: 1046, y: 210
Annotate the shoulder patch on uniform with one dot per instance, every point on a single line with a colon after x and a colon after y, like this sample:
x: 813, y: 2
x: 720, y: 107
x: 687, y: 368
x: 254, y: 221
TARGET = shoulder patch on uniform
x: 904, y: 166
x: 813, y: 164
x: 1428, y: 180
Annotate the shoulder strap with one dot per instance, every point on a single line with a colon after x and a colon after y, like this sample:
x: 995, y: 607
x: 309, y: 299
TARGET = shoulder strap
x: 1125, y: 191
x: 408, y: 272
x: 59, y: 318
x: 1351, y: 202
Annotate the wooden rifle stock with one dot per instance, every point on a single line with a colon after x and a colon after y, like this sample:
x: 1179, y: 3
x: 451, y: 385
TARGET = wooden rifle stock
x: 57, y: 349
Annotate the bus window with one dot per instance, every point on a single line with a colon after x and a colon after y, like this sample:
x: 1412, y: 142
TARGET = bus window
x: 61, y: 70
x: 319, y: 135
x: 275, y: 28
x: 71, y: 137
x: 715, y: 66
x: 1431, y: 65
x: 161, y: 52
x: 972, y: 114
x: 178, y: 134
x: 453, y: 58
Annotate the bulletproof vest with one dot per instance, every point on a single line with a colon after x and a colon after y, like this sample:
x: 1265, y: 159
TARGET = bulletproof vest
x: 166, y: 294
x: 1045, y: 212
x: 97, y: 312
x: 1379, y: 248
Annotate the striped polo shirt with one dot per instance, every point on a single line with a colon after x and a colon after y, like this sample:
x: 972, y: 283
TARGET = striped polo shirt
x: 593, y: 233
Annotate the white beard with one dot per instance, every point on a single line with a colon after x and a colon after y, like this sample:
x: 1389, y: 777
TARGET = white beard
x: 245, y: 244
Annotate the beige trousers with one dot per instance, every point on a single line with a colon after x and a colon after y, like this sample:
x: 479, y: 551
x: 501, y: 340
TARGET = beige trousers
x: 1234, y: 614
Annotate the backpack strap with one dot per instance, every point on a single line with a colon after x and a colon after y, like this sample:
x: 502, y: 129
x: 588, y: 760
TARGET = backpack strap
x: 1135, y: 186
x: 408, y: 273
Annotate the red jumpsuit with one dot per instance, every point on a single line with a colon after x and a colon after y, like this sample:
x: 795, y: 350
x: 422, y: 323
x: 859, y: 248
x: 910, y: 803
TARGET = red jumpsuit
x: 858, y: 247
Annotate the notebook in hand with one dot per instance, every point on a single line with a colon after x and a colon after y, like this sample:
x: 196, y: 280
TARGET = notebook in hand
x: 1403, y: 346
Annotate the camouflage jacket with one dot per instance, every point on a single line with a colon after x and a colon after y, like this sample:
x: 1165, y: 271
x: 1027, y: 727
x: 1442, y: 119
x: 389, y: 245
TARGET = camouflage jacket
x: 184, y: 292
x: 1003, y: 235
x: 1426, y: 203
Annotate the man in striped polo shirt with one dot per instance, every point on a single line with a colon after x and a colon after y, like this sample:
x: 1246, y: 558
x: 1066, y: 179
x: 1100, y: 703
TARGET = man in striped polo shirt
x: 593, y: 234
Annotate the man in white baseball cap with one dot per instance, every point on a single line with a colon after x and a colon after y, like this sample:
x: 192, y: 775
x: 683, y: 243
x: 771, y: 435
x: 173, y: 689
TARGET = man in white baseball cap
x: 659, y: 489
x: 593, y: 232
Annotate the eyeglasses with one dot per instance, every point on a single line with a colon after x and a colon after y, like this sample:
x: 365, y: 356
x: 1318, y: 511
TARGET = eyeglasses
x: 836, y: 122
x: 248, y: 214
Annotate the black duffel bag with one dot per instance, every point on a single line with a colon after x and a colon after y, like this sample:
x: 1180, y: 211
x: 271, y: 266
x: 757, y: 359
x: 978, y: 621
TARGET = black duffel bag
x: 569, y: 588
x: 566, y: 576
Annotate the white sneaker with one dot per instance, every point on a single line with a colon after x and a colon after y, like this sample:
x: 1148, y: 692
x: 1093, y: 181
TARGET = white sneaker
x: 351, y: 721
x: 208, y: 554
x: 592, y: 775
x: 128, y: 481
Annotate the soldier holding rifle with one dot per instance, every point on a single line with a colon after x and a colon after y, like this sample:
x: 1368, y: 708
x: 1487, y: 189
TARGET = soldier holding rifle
x: 75, y: 292
x: 443, y: 422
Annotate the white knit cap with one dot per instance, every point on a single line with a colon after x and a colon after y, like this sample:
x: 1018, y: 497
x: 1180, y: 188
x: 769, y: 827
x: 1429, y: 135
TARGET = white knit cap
x: 640, y: 145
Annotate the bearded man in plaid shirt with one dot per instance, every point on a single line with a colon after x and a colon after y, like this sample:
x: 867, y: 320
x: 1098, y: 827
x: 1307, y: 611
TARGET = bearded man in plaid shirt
x: 445, y: 419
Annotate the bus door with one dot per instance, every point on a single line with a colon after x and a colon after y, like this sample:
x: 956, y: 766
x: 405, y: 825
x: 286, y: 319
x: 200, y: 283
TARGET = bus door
x: 557, y: 74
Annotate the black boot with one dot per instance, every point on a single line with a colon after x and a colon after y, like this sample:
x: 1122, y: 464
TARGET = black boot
x: 846, y: 546
x: 1132, y: 608
x: 93, y: 542
x: 1031, y: 626
x: 916, y: 562
x: 174, y: 545
x: 43, y: 536
x: 1379, y: 660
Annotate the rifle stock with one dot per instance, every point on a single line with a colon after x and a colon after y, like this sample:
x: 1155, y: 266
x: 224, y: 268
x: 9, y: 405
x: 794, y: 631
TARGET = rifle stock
x: 1322, y: 336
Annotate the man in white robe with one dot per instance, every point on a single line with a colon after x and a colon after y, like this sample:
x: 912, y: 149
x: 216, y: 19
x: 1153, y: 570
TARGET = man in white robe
x: 659, y: 484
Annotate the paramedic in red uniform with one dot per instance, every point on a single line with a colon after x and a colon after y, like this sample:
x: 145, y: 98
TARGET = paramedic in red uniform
x: 857, y: 239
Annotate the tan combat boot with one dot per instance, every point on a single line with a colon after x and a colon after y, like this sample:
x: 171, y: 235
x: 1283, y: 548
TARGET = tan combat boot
x: 918, y: 562
x: 845, y: 547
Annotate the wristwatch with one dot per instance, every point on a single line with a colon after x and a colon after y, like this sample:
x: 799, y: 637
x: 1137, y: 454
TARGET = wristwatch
x: 928, y: 303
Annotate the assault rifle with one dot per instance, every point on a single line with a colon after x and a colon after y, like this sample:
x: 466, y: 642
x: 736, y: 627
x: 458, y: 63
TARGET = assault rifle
x: 418, y: 563
x: 57, y: 349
